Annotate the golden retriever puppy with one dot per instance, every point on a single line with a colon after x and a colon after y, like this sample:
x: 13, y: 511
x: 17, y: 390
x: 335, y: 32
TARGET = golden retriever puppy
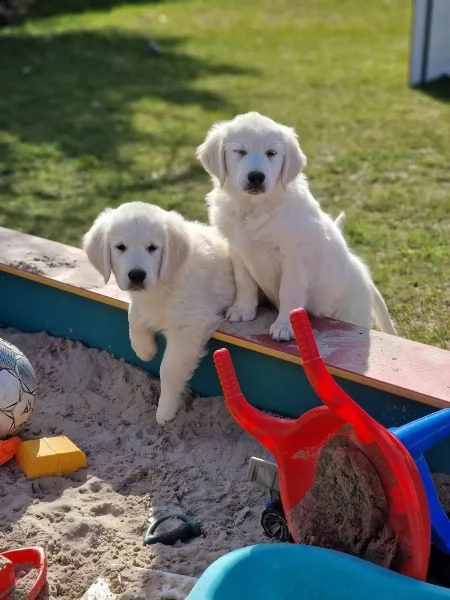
x: 280, y: 238
x: 180, y: 280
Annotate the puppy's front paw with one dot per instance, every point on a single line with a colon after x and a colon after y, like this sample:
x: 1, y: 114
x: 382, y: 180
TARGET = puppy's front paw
x: 166, y: 412
x: 144, y: 346
x: 241, y: 313
x: 281, y: 330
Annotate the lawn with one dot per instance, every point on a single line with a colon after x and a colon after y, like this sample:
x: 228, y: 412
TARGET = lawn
x: 89, y: 118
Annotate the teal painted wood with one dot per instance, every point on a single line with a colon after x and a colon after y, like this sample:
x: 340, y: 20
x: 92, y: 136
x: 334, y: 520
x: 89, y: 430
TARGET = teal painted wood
x: 268, y: 383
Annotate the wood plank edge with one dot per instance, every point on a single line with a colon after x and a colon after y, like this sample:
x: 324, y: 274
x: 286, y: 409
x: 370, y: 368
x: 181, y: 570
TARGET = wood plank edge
x: 231, y: 339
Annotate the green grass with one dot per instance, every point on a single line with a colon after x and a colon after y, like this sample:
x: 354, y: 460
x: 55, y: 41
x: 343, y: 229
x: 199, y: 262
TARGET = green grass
x: 89, y: 118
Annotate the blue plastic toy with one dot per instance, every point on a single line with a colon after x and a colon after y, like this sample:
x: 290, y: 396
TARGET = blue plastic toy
x: 294, y: 572
x: 418, y: 437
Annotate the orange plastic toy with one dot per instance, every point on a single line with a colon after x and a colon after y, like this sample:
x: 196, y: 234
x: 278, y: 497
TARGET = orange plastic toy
x: 296, y: 444
x: 34, y: 555
x: 8, y: 448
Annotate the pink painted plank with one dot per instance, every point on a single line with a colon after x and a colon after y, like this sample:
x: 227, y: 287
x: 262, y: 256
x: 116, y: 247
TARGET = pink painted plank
x: 383, y: 361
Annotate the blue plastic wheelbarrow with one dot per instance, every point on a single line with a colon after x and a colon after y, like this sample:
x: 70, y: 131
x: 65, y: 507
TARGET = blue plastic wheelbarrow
x: 297, y: 572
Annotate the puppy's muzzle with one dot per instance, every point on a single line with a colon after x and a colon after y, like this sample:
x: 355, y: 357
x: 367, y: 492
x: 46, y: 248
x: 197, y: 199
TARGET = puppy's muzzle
x: 137, y: 278
x: 255, y: 182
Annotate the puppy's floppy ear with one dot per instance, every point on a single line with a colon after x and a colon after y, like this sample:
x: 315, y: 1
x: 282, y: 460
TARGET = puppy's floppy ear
x: 176, y: 247
x: 294, y: 159
x: 212, y: 153
x: 96, y: 244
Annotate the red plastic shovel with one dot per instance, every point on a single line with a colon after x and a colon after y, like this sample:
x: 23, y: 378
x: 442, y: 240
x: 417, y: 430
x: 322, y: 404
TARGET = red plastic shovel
x: 296, y: 444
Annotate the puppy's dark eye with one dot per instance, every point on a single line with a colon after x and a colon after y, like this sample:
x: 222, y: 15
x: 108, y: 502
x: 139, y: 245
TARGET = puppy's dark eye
x: 271, y: 153
x: 121, y: 247
x: 152, y: 248
x: 241, y: 151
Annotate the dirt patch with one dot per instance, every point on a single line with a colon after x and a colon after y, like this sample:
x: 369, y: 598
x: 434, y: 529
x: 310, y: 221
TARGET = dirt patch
x: 29, y: 267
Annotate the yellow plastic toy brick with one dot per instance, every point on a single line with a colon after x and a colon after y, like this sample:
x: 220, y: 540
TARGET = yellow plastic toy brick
x: 49, y: 456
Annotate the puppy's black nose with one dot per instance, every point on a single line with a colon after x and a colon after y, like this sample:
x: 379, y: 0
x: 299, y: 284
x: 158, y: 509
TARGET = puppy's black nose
x: 137, y: 275
x: 256, y: 177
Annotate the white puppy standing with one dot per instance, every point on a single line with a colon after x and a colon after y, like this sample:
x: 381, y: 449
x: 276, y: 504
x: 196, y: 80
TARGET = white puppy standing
x: 280, y: 239
x: 180, y: 280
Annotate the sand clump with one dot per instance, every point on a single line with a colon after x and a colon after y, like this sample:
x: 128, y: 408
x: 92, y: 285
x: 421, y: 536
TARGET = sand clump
x: 92, y: 522
x: 25, y: 577
x: 346, y: 508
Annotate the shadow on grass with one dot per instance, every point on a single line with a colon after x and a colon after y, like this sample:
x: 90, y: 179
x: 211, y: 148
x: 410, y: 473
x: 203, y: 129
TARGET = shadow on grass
x: 52, y: 8
x: 438, y: 89
x: 75, y: 89
x: 51, y: 217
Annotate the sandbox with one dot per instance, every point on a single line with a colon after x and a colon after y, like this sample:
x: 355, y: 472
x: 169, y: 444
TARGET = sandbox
x: 92, y: 522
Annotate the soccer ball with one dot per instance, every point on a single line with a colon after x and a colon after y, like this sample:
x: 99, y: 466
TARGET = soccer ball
x: 17, y: 389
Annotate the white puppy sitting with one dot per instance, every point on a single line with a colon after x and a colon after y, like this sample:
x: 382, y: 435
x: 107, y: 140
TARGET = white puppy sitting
x: 180, y: 280
x: 280, y: 239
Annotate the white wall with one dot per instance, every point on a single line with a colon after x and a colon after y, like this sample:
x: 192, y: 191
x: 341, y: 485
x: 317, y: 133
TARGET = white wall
x: 430, y: 27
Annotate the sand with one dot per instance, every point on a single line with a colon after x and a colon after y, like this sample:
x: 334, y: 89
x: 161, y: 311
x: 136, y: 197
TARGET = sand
x: 25, y: 577
x: 346, y: 508
x: 92, y: 522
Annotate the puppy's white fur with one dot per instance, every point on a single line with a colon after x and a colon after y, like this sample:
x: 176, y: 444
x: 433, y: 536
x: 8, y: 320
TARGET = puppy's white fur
x: 187, y: 287
x: 280, y: 239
